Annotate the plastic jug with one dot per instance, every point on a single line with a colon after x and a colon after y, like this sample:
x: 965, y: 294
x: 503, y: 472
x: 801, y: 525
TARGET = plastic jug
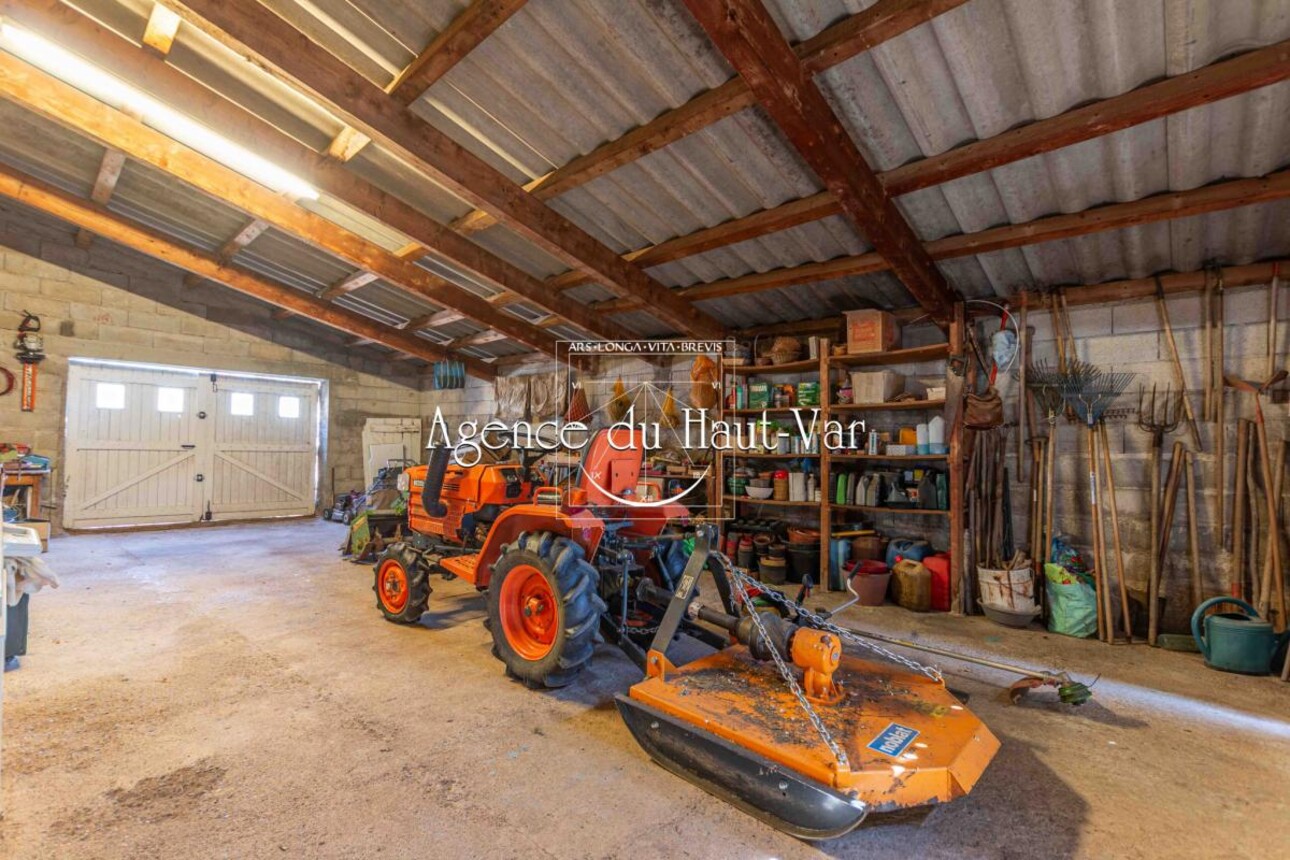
x: 907, y: 548
x: 1236, y: 642
x: 911, y: 585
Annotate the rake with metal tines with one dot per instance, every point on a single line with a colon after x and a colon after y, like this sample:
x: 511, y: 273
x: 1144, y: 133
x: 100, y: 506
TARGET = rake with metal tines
x: 1045, y: 382
x: 1090, y: 398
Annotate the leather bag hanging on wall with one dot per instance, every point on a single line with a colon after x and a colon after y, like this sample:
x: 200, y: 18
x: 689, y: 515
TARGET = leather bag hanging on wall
x: 983, y: 411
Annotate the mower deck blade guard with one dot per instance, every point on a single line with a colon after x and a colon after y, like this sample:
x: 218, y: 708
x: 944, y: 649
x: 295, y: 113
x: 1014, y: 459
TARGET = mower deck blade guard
x: 765, y: 790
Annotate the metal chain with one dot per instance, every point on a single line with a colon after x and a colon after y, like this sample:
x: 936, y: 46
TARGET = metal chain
x: 786, y: 673
x: 770, y: 593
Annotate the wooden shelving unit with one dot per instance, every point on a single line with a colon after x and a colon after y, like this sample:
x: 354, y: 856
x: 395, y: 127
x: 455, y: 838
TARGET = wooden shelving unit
x: 825, y: 368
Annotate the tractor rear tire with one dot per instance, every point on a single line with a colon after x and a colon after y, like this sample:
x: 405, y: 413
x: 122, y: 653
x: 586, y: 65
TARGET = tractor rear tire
x: 401, y: 584
x: 544, y: 609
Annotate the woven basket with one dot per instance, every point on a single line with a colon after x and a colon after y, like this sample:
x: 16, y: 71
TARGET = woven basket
x: 784, y: 350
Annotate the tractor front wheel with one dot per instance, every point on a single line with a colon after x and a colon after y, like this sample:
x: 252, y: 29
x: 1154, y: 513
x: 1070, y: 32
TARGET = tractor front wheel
x: 543, y: 609
x: 401, y: 586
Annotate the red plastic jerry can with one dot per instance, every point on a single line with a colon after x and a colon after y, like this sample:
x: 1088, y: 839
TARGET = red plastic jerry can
x: 938, y: 566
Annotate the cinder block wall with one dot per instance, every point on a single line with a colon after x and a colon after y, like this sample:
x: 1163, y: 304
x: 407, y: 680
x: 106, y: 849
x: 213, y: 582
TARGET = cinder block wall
x: 108, y: 302
x: 1128, y: 337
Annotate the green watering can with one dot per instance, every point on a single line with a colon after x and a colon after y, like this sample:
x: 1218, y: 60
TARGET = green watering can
x: 1236, y: 642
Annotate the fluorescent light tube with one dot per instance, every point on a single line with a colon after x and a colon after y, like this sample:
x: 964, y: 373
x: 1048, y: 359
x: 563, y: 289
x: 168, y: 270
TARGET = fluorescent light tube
x: 90, y: 79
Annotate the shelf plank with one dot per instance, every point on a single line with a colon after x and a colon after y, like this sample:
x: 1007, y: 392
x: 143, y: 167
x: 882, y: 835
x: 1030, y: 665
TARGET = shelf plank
x: 809, y: 365
x: 896, y: 356
x: 772, y: 410
x: 868, y: 509
x: 887, y: 407
x: 746, y: 500
x: 904, y: 458
x: 744, y: 456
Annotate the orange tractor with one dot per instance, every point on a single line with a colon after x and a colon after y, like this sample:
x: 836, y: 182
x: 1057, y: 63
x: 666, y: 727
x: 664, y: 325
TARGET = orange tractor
x: 778, y: 721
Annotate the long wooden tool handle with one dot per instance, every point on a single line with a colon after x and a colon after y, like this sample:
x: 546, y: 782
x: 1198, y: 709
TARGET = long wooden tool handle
x: 1153, y: 581
x: 1105, y: 631
x: 1115, y: 533
x: 1236, y: 583
x: 1272, y: 567
x: 1181, y: 380
x: 1193, y: 532
x: 1166, y: 525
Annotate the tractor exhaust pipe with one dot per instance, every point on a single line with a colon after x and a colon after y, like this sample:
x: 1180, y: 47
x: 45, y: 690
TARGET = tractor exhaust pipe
x: 432, y: 489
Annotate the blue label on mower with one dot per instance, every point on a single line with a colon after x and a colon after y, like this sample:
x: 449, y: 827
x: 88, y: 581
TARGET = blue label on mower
x: 893, y: 740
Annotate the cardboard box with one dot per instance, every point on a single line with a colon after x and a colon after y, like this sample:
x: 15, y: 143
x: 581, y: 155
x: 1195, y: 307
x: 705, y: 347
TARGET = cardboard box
x: 871, y: 331
x: 875, y: 386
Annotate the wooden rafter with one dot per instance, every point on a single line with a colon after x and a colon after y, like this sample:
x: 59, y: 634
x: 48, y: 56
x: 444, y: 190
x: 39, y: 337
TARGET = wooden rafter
x: 248, y: 234
x: 479, y: 338
x: 751, y: 41
x: 257, y: 34
x: 1219, y: 80
x: 882, y: 21
x: 347, y: 143
x: 428, y: 320
x: 1113, y: 216
x: 109, y: 173
x: 159, y: 33
x: 347, y: 284
x: 87, y: 215
x: 48, y: 97
x: 471, y: 27
x: 103, y: 47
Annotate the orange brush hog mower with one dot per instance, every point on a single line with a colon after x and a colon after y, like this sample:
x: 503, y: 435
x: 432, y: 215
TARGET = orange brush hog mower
x: 778, y: 720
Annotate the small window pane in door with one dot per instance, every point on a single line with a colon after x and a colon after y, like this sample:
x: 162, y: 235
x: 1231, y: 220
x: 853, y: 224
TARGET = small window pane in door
x: 109, y: 395
x: 170, y: 400
x: 288, y: 407
x: 241, y: 403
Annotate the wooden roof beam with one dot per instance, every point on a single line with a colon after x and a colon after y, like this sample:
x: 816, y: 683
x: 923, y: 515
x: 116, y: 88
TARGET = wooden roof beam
x: 254, y: 32
x: 464, y: 34
x: 51, y: 98
x: 751, y: 41
x: 87, y: 215
x: 884, y: 20
x: 1219, y: 80
x: 84, y: 36
x: 1112, y: 216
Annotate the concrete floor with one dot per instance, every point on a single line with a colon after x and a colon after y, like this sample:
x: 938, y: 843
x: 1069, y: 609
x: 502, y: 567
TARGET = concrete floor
x: 232, y: 692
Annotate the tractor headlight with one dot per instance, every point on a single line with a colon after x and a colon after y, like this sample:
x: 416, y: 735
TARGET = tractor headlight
x: 404, y: 483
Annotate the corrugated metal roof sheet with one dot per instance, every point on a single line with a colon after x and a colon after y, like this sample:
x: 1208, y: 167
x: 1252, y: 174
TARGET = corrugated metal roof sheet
x: 563, y: 76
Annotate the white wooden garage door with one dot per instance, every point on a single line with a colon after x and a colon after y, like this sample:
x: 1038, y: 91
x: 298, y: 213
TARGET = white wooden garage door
x: 150, y: 445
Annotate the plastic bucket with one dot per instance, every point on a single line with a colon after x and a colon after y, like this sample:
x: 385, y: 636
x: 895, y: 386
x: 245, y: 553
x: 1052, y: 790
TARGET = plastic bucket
x: 803, y: 560
x: 772, y: 570
x: 1007, y: 589
x: 871, y: 588
x: 869, y: 546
